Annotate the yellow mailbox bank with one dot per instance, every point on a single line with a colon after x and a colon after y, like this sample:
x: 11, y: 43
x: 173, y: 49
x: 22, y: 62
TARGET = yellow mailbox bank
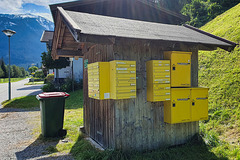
x: 123, y: 79
x: 158, y: 80
x: 98, y: 80
x: 186, y: 105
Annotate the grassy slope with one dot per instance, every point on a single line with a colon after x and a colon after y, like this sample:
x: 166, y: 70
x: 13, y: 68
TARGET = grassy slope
x: 220, y: 71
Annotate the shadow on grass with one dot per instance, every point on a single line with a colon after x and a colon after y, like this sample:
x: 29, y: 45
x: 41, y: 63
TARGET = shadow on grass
x: 21, y: 104
x: 195, y: 149
x: 41, y: 147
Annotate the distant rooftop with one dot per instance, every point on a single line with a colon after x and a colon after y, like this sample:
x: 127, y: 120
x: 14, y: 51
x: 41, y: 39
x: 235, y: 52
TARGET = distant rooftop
x: 47, y: 36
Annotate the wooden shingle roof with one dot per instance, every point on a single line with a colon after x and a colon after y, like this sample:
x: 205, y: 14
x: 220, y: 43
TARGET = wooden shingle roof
x: 90, y: 24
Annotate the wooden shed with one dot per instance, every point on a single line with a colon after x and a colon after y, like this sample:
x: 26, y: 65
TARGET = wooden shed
x: 133, y: 123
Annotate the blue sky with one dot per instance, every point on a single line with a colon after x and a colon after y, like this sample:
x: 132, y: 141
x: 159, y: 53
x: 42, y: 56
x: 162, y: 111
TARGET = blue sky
x: 36, y: 7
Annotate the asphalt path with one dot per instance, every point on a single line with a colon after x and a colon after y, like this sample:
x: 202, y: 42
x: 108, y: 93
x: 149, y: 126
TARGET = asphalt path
x: 18, y: 89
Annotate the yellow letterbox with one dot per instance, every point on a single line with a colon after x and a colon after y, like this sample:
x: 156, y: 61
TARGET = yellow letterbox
x: 158, y: 80
x: 98, y: 80
x: 186, y: 105
x: 199, y: 106
x: 180, y: 68
x: 123, y: 79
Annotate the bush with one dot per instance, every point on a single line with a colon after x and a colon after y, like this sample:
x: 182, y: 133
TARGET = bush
x: 64, y: 87
x: 49, y: 87
x: 39, y: 74
x: 49, y: 78
x: 67, y: 85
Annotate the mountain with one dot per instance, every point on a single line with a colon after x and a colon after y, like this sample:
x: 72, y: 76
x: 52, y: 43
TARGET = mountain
x: 26, y: 47
x: 220, y: 71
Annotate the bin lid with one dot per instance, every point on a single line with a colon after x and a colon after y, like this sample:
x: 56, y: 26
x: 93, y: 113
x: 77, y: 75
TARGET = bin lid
x: 53, y: 94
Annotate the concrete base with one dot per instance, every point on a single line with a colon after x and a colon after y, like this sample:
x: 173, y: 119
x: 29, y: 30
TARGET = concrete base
x: 94, y: 144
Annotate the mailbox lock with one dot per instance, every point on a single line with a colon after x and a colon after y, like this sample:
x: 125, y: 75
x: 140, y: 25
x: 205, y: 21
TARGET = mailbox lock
x: 193, y: 103
x: 173, y: 67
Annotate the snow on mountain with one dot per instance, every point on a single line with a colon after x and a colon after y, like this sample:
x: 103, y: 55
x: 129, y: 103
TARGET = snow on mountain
x: 26, y: 47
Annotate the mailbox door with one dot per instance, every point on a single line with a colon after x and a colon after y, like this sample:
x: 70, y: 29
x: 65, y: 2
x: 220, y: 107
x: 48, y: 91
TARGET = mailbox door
x: 178, y: 109
x: 180, y: 70
x: 199, y: 104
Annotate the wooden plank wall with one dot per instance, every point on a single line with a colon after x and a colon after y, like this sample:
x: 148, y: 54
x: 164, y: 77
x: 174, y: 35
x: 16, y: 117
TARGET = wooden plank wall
x: 139, y: 124
x: 98, y: 114
x: 134, y: 123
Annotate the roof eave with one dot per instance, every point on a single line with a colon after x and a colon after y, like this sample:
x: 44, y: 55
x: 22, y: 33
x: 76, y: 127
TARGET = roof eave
x: 72, y: 26
x: 229, y: 48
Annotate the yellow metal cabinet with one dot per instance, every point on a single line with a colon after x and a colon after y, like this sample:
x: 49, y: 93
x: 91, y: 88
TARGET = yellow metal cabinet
x: 180, y: 68
x: 186, y: 105
x: 158, y: 80
x: 123, y: 79
x: 199, y: 98
x: 178, y: 109
x: 98, y: 80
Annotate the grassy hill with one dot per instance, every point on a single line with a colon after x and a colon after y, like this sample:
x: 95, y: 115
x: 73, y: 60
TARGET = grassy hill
x: 220, y: 71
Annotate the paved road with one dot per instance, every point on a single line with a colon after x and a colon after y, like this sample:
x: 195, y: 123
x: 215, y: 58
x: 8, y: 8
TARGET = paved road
x: 18, y: 89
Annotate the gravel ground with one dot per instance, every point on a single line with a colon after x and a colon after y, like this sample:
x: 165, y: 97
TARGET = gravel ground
x: 17, y: 140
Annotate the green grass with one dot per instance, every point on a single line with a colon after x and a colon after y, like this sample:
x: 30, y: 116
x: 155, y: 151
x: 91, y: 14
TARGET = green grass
x: 34, y: 83
x: 25, y: 102
x: 5, y: 80
x: 82, y: 149
x: 220, y: 71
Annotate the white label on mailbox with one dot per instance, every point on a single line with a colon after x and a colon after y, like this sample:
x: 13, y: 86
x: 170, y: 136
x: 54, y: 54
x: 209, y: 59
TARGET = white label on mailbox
x: 168, y: 99
x: 121, y: 63
x: 106, y: 95
x: 167, y: 64
x: 132, y: 65
x: 167, y: 93
x: 122, y: 72
x: 121, y: 69
x: 132, y: 78
x: 167, y: 70
x: 133, y: 84
x: 160, y: 64
x: 132, y: 71
x: 167, y: 76
x: 159, y: 61
x: 133, y: 90
x: 167, y: 81
x: 167, y: 88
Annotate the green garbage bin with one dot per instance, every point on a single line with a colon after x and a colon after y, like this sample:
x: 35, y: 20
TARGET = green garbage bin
x: 52, y: 106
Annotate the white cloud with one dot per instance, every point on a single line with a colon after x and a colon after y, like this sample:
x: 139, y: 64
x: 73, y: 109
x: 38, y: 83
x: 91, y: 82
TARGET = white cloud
x: 16, y: 6
x: 44, y: 2
x: 12, y: 6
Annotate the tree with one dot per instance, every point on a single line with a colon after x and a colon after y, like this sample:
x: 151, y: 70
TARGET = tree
x: 49, y: 63
x: 32, y: 69
x: 16, y: 71
x: 202, y: 11
x: 4, y: 69
x: 1, y: 73
x: 23, y: 71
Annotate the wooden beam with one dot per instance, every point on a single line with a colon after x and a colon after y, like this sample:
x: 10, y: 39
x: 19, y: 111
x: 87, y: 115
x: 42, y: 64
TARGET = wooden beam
x: 62, y: 30
x: 96, y: 39
x: 68, y: 53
